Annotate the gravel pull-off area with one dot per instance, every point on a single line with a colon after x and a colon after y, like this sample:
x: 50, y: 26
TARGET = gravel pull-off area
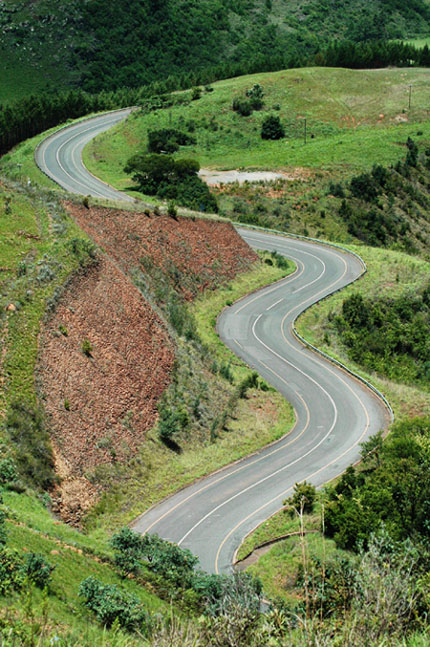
x: 105, y: 359
x: 214, y: 178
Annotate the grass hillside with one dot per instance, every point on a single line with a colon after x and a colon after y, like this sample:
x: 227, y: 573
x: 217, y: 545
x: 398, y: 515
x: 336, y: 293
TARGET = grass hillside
x: 355, y: 120
x: 97, y: 45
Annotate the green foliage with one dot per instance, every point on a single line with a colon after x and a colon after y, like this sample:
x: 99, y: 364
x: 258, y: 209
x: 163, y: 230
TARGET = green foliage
x: 3, y: 533
x: 389, y: 335
x: 392, y: 488
x: 111, y: 605
x: 242, y: 106
x: 30, y: 440
x: 272, y: 128
x: 128, y: 546
x: 302, y: 499
x: 38, y: 570
x: 329, y: 584
x: 86, y: 347
x: 168, y: 140
x: 364, y: 187
x: 8, y: 471
x: 171, y: 179
x: 12, y: 574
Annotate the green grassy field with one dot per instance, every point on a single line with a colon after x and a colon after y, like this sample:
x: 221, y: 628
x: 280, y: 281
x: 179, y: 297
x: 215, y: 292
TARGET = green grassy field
x: 355, y: 118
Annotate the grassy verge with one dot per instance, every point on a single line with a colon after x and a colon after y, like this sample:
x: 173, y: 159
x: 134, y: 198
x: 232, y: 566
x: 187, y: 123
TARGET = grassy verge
x: 260, y: 418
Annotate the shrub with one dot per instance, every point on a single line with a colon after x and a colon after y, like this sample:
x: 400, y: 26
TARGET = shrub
x: 38, y: 569
x: 242, y: 106
x: 3, y: 534
x: 86, y: 347
x: 303, y: 498
x: 168, y: 140
x: 272, y: 128
x: 8, y: 471
x: 12, y: 574
x: 364, y: 187
x: 196, y: 94
x: 255, y: 95
x: 172, y: 212
x: 128, y: 546
x: 111, y: 605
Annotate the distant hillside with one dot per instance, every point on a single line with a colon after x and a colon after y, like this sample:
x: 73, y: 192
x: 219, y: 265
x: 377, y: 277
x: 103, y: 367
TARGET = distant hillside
x: 102, y: 45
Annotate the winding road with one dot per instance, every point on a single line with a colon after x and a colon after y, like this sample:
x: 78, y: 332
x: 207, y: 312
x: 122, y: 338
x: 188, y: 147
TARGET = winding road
x: 334, y: 411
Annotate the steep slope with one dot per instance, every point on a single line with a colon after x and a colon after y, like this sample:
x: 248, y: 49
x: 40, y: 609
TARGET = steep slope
x: 105, y: 360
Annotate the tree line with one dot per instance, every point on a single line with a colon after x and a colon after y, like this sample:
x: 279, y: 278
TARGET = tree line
x: 37, y: 113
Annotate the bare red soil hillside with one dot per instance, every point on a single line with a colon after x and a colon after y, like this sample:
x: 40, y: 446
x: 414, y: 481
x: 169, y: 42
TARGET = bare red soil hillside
x: 105, y: 356
x: 105, y: 359
x: 206, y: 253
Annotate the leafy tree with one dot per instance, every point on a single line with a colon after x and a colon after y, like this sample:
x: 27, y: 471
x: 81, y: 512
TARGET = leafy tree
x: 171, y: 179
x: 303, y: 498
x: 272, y: 128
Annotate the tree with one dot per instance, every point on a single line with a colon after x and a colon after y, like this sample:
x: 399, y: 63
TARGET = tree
x: 272, y: 128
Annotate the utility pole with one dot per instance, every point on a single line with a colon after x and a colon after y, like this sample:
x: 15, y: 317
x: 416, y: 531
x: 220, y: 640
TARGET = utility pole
x: 410, y: 93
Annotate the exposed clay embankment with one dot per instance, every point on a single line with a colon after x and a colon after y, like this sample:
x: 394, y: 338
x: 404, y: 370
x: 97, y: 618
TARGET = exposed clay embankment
x: 206, y: 253
x: 100, y: 404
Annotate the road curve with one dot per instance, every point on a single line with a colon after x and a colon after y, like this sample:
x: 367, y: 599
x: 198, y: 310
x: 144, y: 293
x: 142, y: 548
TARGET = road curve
x: 334, y: 411
x: 59, y: 156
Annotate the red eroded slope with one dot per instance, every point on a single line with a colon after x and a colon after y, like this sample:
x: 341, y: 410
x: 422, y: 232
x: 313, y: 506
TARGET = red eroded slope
x: 205, y: 252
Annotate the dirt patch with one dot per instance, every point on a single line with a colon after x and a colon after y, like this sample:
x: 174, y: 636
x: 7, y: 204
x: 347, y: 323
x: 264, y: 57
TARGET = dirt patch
x: 197, y: 254
x: 100, y: 404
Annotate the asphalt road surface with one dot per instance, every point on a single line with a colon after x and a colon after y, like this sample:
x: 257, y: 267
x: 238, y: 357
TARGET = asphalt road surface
x: 60, y: 157
x: 334, y: 411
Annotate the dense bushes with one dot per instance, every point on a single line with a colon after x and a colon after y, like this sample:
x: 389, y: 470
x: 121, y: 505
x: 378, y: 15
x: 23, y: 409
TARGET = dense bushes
x: 171, y: 179
x: 381, y: 203
x: 15, y: 570
x: 392, y: 487
x: 389, y: 335
x: 178, y: 568
x: 272, y: 128
x: 111, y: 605
x: 168, y: 140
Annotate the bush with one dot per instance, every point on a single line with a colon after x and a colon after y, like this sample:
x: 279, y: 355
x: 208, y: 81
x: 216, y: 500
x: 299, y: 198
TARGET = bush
x: 38, y: 569
x: 3, y: 534
x: 128, y: 546
x: 242, y: 106
x: 111, y: 605
x: 86, y: 347
x: 172, y: 180
x: 303, y: 498
x: 272, y: 128
x: 8, y: 471
x: 168, y: 140
x: 364, y: 187
x: 12, y: 574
